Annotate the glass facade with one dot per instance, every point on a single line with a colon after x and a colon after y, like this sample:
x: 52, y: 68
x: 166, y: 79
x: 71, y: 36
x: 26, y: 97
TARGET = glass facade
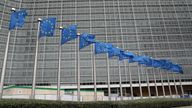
x: 161, y: 29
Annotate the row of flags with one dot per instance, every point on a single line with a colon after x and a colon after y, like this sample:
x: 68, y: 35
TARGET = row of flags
x: 47, y: 29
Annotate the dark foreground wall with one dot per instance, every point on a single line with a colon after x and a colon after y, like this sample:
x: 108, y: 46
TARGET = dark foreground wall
x: 146, y: 103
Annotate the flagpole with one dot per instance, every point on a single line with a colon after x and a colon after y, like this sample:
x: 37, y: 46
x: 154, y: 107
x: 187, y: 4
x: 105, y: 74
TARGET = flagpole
x: 35, y: 64
x: 59, y: 65
x: 5, y: 62
x: 78, y: 72
x: 4, y: 65
x: 94, y: 74
x: 59, y: 70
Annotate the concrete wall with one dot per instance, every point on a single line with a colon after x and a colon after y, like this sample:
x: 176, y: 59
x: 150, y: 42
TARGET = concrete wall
x: 26, y: 91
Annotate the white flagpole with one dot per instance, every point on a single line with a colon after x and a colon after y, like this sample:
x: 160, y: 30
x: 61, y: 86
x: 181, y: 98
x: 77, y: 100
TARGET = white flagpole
x: 35, y: 64
x: 78, y: 71
x: 94, y: 74
x: 59, y: 70
x: 5, y: 62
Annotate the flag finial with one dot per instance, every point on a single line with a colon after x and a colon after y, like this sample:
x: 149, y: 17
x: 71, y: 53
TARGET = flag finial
x: 39, y: 19
x: 13, y: 9
x: 60, y: 27
x: 78, y: 34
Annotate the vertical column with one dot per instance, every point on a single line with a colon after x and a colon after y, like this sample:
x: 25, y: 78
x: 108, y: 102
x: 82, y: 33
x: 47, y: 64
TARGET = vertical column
x: 131, y: 85
x: 176, y: 91
x: 167, y: 75
x: 181, y: 85
x: 171, y: 56
x: 162, y: 83
x: 180, y: 80
x: 30, y: 37
x: 35, y: 64
x: 3, y: 14
x: 148, y: 16
x: 44, y: 45
x: 107, y: 59
x: 139, y: 67
x: 123, y: 46
x: 93, y: 57
x: 148, y: 86
x: 120, y: 81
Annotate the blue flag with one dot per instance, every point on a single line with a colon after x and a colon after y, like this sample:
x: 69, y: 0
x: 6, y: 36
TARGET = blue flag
x: 126, y: 55
x: 147, y: 61
x: 101, y: 47
x: 131, y: 60
x: 113, y: 51
x: 17, y: 19
x: 176, y: 68
x: 68, y: 34
x: 156, y: 63
x: 85, y: 40
x: 47, y: 27
x: 138, y: 59
x: 170, y: 66
x: 165, y: 64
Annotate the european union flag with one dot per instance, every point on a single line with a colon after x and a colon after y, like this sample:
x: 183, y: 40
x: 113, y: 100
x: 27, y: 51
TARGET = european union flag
x: 113, y: 51
x: 138, y: 59
x: 126, y: 55
x: 68, y: 34
x: 147, y: 61
x: 142, y: 60
x: 17, y: 19
x: 156, y: 63
x: 170, y: 66
x: 47, y: 27
x: 101, y: 47
x: 176, y: 68
x: 85, y: 40
x: 165, y: 64
x: 131, y: 60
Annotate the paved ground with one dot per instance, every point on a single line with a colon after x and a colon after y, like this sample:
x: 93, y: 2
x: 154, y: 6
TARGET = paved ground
x: 184, y: 107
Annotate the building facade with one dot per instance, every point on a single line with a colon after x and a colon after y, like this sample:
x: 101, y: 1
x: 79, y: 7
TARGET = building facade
x: 157, y: 28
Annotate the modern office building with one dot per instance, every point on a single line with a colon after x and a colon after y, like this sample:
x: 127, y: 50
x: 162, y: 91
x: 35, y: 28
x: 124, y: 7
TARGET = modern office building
x: 161, y: 29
